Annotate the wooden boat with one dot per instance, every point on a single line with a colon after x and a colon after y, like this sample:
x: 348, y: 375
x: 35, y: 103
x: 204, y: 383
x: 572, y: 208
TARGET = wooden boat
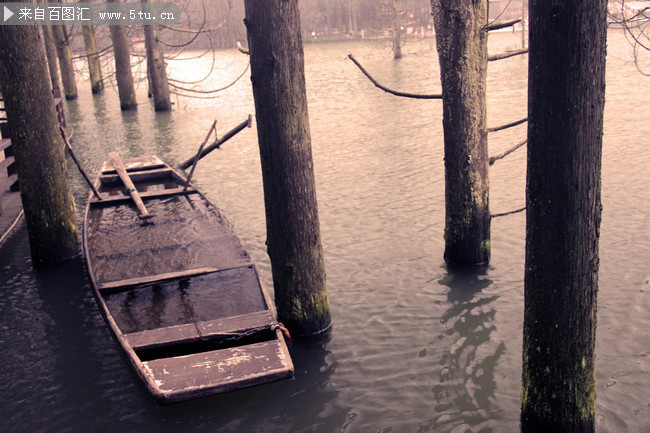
x: 180, y: 293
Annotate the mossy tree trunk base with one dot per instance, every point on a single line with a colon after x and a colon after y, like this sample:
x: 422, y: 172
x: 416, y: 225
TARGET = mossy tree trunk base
x: 566, y: 98
x: 293, y: 232
x: 462, y: 51
x: 38, y: 146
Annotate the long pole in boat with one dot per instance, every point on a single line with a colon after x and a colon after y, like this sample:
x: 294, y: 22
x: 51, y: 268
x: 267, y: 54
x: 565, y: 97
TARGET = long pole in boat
x: 198, y: 154
x: 128, y: 183
x: 76, y: 161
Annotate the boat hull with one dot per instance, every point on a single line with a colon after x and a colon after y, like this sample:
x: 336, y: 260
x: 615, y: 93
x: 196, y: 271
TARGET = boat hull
x: 179, y: 292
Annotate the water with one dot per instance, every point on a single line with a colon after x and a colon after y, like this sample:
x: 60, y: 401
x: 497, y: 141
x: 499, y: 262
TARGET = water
x: 414, y: 348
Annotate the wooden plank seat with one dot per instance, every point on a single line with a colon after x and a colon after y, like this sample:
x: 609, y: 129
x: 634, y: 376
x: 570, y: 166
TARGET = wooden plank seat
x: 112, y: 200
x: 191, y: 332
x: 135, y: 164
x: 112, y: 286
x: 137, y: 176
x: 198, y: 374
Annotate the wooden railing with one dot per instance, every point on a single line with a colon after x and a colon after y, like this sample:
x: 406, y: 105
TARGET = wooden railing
x: 8, y: 176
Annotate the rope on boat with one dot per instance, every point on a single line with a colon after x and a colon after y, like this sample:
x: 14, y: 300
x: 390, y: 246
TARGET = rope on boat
x: 234, y: 336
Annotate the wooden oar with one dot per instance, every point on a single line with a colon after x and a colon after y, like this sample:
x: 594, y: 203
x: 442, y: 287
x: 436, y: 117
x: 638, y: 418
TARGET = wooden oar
x: 76, y: 161
x: 128, y: 183
x: 198, y: 154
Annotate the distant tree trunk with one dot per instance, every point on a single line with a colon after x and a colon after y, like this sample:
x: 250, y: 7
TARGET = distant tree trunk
x: 156, y: 69
x: 65, y: 62
x: 397, y: 28
x: 50, y: 50
x: 94, y: 67
x: 38, y: 146
x: 462, y: 52
x: 293, y: 232
x: 566, y: 99
x: 123, y: 74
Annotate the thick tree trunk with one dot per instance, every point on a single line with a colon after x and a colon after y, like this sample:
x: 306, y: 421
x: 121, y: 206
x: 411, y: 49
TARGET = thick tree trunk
x: 94, y: 67
x: 293, y: 233
x: 566, y: 99
x: 156, y: 69
x: 65, y: 62
x: 52, y: 62
x: 38, y: 146
x: 397, y: 46
x: 123, y: 73
x: 462, y: 51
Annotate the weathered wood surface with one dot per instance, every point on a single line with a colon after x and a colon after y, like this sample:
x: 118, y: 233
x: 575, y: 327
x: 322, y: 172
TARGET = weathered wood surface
x: 176, y: 284
x: 116, y: 199
x: 131, y: 282
x: 161, y: 337
x: 190, y: 332
x: 235, y: 324
x: 137, y: 176
x: 206, y: 373
x: 128, y: 183
x: 136, y: 163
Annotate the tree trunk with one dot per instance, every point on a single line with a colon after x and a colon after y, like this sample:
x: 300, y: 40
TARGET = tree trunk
x: 50, y: 50
x: 65, y: 62
x: 293, y: 233
x: 397, y: 28
x: 123, y: 74
x: 94, y: 67
x: 156, y: 69
x: 38, y: 146
x: 566, y: 97
x: 462, y: 51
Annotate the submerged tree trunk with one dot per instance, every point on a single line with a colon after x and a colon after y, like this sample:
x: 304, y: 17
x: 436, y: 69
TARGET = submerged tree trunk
x: 65, y: 62
x: 156, y: 70
x: 397, y: 48
x: 293, y: 233
x: 123, y: 73
x: 462, y: 51
x: 94, y: 67
x: 566, y: 99
x: 50, y: 50
x: 38, y: 146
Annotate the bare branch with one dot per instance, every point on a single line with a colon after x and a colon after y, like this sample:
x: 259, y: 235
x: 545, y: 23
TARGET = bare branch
x: 509, y: 125
x: 506, y: 153
x: 496, y: 215
x: 386, y: 89
x: 506, y: 55
x: 242, y: 49
x: 503, y: 25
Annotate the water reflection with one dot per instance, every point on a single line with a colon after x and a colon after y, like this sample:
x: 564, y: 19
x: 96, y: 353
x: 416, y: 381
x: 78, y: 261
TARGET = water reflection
x: 466, y: 392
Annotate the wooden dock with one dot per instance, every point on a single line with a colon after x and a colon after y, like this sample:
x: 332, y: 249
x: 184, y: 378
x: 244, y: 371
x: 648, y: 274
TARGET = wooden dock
x: 11, y: 208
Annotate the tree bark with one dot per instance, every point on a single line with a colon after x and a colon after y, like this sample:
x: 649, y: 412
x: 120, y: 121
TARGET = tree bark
x: 123, y: 74
x: 65, y: 62
x: 158, y: 85
x: 94, y: 67
x: 38, y: 146
x: 293, y: 233
x: 52, y: 62
x: 566, y: 99
x: 462, y: 51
